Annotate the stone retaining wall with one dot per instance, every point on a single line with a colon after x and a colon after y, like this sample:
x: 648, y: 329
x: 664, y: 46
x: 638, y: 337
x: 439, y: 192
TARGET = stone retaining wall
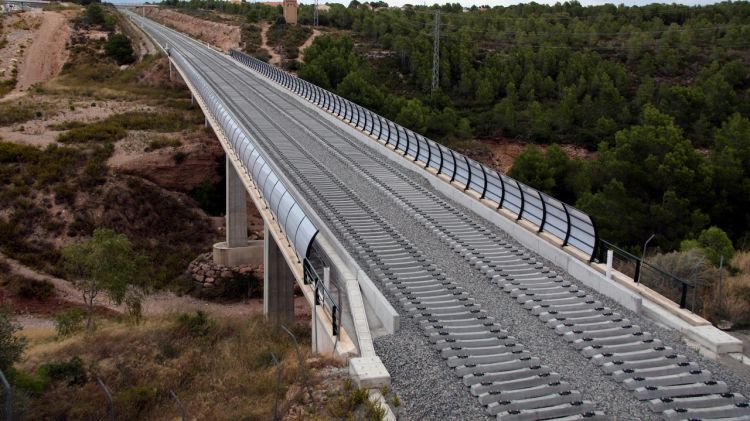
x: 211, y: 280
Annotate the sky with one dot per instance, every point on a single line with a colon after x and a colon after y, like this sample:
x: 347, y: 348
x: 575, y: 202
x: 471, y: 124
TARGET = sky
x: 495, y: 2
x: 467, y: 3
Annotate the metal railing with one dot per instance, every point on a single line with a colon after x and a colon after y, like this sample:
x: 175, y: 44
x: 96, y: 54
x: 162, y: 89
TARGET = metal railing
x: 570, y: 225
x: 659, y: 280
x: 322, y: 294
x: 8, y: 400
x: 295, y: 224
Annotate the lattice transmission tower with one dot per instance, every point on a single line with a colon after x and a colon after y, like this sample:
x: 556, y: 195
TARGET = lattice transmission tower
x: 436, y: 54
x: 315, y: 15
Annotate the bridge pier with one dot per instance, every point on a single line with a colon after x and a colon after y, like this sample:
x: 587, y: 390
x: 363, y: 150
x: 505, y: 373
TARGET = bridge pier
x: 236, y: 250
x: 278, y: 283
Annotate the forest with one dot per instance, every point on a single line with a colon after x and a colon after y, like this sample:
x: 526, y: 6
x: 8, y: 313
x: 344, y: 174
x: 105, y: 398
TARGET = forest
x: 659, y: 94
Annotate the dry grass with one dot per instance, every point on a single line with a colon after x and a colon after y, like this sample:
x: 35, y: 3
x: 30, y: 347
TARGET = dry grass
x: 741, y: 262
x: 221, y: 370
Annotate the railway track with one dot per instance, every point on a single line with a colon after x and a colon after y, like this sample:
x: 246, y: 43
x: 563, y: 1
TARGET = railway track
x: 504, y: 376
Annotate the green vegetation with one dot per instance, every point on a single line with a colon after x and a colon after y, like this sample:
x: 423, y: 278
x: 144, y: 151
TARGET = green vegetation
x: 714, y: 244
x: 11, y: 346
x: 251, y: 41
x: 97, y: 16
x: 162, y: 142
x: 6, y: 85
x: 119, y: 47
x: 355, y: 401
x: 30, y: 289
x: 106, y: 264
x: 100, y: 132
x: 69, y: 322
x: 17, y: 112
x: 115, y: 127
x: 288, y: 37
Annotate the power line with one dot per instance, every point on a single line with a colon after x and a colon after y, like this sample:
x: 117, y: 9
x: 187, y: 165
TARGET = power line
x: 436, y: 54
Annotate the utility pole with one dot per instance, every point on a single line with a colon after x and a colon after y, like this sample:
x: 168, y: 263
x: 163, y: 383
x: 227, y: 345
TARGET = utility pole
x: 315, y: 15
x: 436, y: 54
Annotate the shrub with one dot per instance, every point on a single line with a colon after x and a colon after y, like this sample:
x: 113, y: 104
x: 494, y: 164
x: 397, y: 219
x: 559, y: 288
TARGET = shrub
x: 68, y: 124
x: 69, y: 322
x: 32, y: 383
x: 95, y: 132
x: 31, y: 289
x: 11, y: 346
x: 168, y: 121
x: 94, y: 14
x: 197, y: 324
x: 162, y: 142
x: 12, y: 113
x: 714, y: 243
x: 65, y: 193
x: 135, y: 401
x: 179, y: 157
x: 119, y: 47
x: 71, y: 371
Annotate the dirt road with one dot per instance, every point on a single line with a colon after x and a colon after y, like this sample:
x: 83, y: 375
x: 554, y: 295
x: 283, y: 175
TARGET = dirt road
x: 47, y: 54
x: 275, y: 59
x: 316, y: 33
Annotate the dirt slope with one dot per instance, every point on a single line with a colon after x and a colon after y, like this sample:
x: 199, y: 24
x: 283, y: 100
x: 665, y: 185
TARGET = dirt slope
x: 47, y: 54
x: 217, y: 34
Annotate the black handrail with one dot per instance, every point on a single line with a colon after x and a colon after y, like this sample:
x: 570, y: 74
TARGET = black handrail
x: 640, y: 265
x: 322, y: 295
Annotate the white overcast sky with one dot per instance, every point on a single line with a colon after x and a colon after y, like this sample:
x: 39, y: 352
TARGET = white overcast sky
x: 489, y: 2
x: 512, y: 2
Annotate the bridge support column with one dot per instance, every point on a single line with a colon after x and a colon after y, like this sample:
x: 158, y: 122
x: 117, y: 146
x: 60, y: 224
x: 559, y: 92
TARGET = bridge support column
x: 236, y: 208
x: 236, y: 250
x: 278, y: 283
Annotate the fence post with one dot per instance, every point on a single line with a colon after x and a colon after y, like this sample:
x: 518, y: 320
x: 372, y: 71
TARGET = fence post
x: 721, y: 286
x: 300, y: 363
x: 108, y: 394
x: 637, y: 275
x: 610, y: 257
x: 8, y: 397
x: 683, y: 296
x: 278, y: 386
x: 183, y: 411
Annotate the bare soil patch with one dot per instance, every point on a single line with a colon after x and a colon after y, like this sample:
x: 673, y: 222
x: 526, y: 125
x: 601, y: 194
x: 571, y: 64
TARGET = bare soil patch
x: 275, y: 56
x: 47, y: 54
x: 505, y: 151
x: 218, y: 34
x: 38, y: 131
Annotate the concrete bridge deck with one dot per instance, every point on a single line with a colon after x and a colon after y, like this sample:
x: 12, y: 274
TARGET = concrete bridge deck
x: 490, y: 328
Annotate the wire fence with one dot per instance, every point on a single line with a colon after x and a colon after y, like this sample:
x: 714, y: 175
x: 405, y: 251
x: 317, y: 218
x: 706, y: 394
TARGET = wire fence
x: 682, y: 291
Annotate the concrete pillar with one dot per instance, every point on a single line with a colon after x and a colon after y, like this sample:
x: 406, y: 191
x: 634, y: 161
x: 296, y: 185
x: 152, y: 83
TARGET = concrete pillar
x: 278, y: 283
x: 236, y: 217
x: 237, y: 250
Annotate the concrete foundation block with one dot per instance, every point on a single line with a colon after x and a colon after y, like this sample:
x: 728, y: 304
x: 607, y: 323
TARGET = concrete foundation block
x: 369, y: 373
x: 252, y: 254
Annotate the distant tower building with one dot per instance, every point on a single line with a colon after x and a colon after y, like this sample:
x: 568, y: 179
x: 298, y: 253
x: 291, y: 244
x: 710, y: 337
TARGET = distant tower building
x: 290, y: 11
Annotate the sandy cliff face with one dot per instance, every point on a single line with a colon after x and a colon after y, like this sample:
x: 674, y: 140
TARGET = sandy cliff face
x: 182, y: 169
x: 217, y: 34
